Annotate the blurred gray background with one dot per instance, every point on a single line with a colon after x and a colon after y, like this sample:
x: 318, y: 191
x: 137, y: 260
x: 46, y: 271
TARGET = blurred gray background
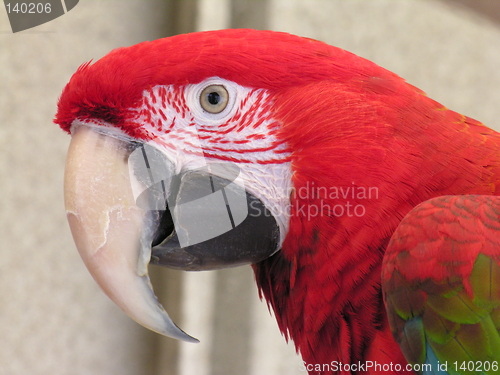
x: 53, y: 318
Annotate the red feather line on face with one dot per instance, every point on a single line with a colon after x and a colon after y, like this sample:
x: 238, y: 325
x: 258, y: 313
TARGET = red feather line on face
x: 248, y: 136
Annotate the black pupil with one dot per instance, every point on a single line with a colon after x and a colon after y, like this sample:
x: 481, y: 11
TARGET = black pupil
x: 213, y: 98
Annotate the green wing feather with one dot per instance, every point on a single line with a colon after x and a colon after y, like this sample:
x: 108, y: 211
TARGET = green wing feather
x: 441, y: 283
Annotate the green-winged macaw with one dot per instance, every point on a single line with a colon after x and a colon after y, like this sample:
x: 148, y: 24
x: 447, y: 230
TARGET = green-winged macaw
x: 368, y: 211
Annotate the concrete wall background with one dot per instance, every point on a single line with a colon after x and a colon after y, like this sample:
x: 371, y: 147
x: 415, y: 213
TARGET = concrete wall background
x: 53, y: 318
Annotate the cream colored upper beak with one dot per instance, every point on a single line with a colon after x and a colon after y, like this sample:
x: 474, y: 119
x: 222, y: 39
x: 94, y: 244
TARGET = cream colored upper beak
x: 109, y: 229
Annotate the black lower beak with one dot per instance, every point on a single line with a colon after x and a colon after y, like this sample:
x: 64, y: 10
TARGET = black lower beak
x: 246, y: 239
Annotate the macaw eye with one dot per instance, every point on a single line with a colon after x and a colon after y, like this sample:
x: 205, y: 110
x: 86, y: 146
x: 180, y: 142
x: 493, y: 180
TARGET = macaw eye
x: 214, y: 98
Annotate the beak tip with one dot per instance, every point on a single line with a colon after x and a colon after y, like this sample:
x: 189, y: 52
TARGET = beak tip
x: 191, y: 339
x: 169, y: 329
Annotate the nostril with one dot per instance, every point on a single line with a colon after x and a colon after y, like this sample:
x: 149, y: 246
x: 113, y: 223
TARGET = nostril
x: 165, y: 227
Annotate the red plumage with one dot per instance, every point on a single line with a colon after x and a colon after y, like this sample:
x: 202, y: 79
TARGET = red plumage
x: 388, y: 136
x: 108, y: 88
x: 350, y: 125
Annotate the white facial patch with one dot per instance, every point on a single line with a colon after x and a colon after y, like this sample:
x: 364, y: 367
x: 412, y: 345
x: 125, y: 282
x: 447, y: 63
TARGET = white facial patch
x: 244, y: 133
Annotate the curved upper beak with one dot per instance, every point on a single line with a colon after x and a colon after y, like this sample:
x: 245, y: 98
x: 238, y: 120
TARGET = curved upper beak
x: 199, y: 219
x: 107, y: 227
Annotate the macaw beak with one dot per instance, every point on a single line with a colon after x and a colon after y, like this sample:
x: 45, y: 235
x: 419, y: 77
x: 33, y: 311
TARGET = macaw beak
x: 120, y: 222
x: 107, y: 226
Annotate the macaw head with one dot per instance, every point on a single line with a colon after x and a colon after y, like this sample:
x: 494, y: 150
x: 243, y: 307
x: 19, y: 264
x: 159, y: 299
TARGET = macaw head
x: 190, y: 152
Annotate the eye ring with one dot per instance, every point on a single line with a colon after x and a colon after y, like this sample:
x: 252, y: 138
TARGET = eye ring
x: 214, y: 99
